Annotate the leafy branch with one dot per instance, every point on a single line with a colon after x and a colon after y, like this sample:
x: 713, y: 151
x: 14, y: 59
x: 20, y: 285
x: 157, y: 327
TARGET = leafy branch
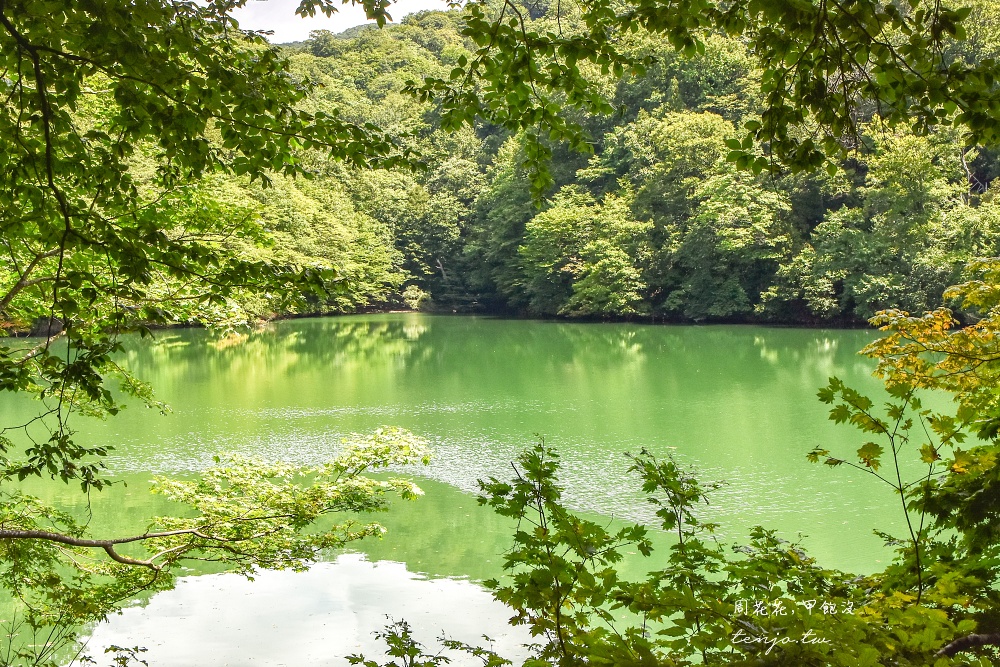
x: 245, y: 513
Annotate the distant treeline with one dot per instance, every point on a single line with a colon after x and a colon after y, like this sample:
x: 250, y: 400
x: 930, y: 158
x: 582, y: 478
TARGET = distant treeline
x: 656, y: 223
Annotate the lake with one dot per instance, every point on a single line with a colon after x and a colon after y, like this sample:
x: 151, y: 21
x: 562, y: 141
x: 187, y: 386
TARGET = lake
x: 736, y: 403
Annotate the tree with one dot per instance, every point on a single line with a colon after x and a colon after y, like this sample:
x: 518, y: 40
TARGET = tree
x: 583, y: 258
x: 610, y: 280
x: 826, y: 68
x: 243, y: 513
x: 93, y: 243
x: 763, y: 602
x: 737, y: 233
x: 113, y: 113
x: 907, y: 228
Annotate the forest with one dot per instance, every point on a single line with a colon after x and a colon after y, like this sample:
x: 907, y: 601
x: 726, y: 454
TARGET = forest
x: 654, y: 223
x: 765, y: 161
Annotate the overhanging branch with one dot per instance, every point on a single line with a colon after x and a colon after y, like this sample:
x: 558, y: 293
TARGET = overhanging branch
x: 969, y: 641
x: 107, y: 545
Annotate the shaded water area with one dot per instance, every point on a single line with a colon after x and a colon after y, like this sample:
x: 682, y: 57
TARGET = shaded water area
x: 737, y: 403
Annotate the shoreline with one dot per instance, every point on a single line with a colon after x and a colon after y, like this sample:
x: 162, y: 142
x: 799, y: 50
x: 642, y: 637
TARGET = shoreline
x: 838, y: 324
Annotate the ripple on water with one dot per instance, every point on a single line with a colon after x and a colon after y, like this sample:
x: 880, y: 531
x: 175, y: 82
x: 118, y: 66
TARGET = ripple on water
x: 757, y: 491
x: 593, y: 481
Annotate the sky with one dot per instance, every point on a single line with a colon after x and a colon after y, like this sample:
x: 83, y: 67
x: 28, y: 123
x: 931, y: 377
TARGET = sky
x: 279, y: 16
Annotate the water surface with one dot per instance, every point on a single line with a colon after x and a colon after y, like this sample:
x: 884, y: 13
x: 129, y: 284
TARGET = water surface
x: 737, y: 403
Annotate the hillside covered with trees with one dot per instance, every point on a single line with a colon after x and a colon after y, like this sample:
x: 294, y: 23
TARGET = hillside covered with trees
x: 654, y: 223
x: 161, y: 166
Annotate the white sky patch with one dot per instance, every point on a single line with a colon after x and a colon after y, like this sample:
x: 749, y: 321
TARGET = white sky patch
x: 279, y: 16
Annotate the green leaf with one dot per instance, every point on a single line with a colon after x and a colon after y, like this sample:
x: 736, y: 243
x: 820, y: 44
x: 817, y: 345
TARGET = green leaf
x: 870, y: 455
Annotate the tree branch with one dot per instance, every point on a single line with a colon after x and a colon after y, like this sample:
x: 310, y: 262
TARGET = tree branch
x: 24, y: 281
x: 107, y: 545
x: 967, y: 642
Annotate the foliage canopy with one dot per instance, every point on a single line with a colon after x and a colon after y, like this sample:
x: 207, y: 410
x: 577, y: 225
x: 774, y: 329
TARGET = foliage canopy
x: 825, y: 66
x: 123, y: 122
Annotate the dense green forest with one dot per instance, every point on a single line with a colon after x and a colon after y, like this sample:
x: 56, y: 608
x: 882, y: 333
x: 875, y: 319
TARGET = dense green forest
x: 145, y: 147
x: 655, y: 223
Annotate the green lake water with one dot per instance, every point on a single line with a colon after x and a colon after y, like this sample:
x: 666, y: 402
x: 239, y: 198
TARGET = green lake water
x: 737, y: 403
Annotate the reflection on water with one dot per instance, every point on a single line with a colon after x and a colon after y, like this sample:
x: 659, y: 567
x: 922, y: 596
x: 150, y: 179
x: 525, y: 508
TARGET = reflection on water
x: 304, y: 618
x: 736, y: 402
